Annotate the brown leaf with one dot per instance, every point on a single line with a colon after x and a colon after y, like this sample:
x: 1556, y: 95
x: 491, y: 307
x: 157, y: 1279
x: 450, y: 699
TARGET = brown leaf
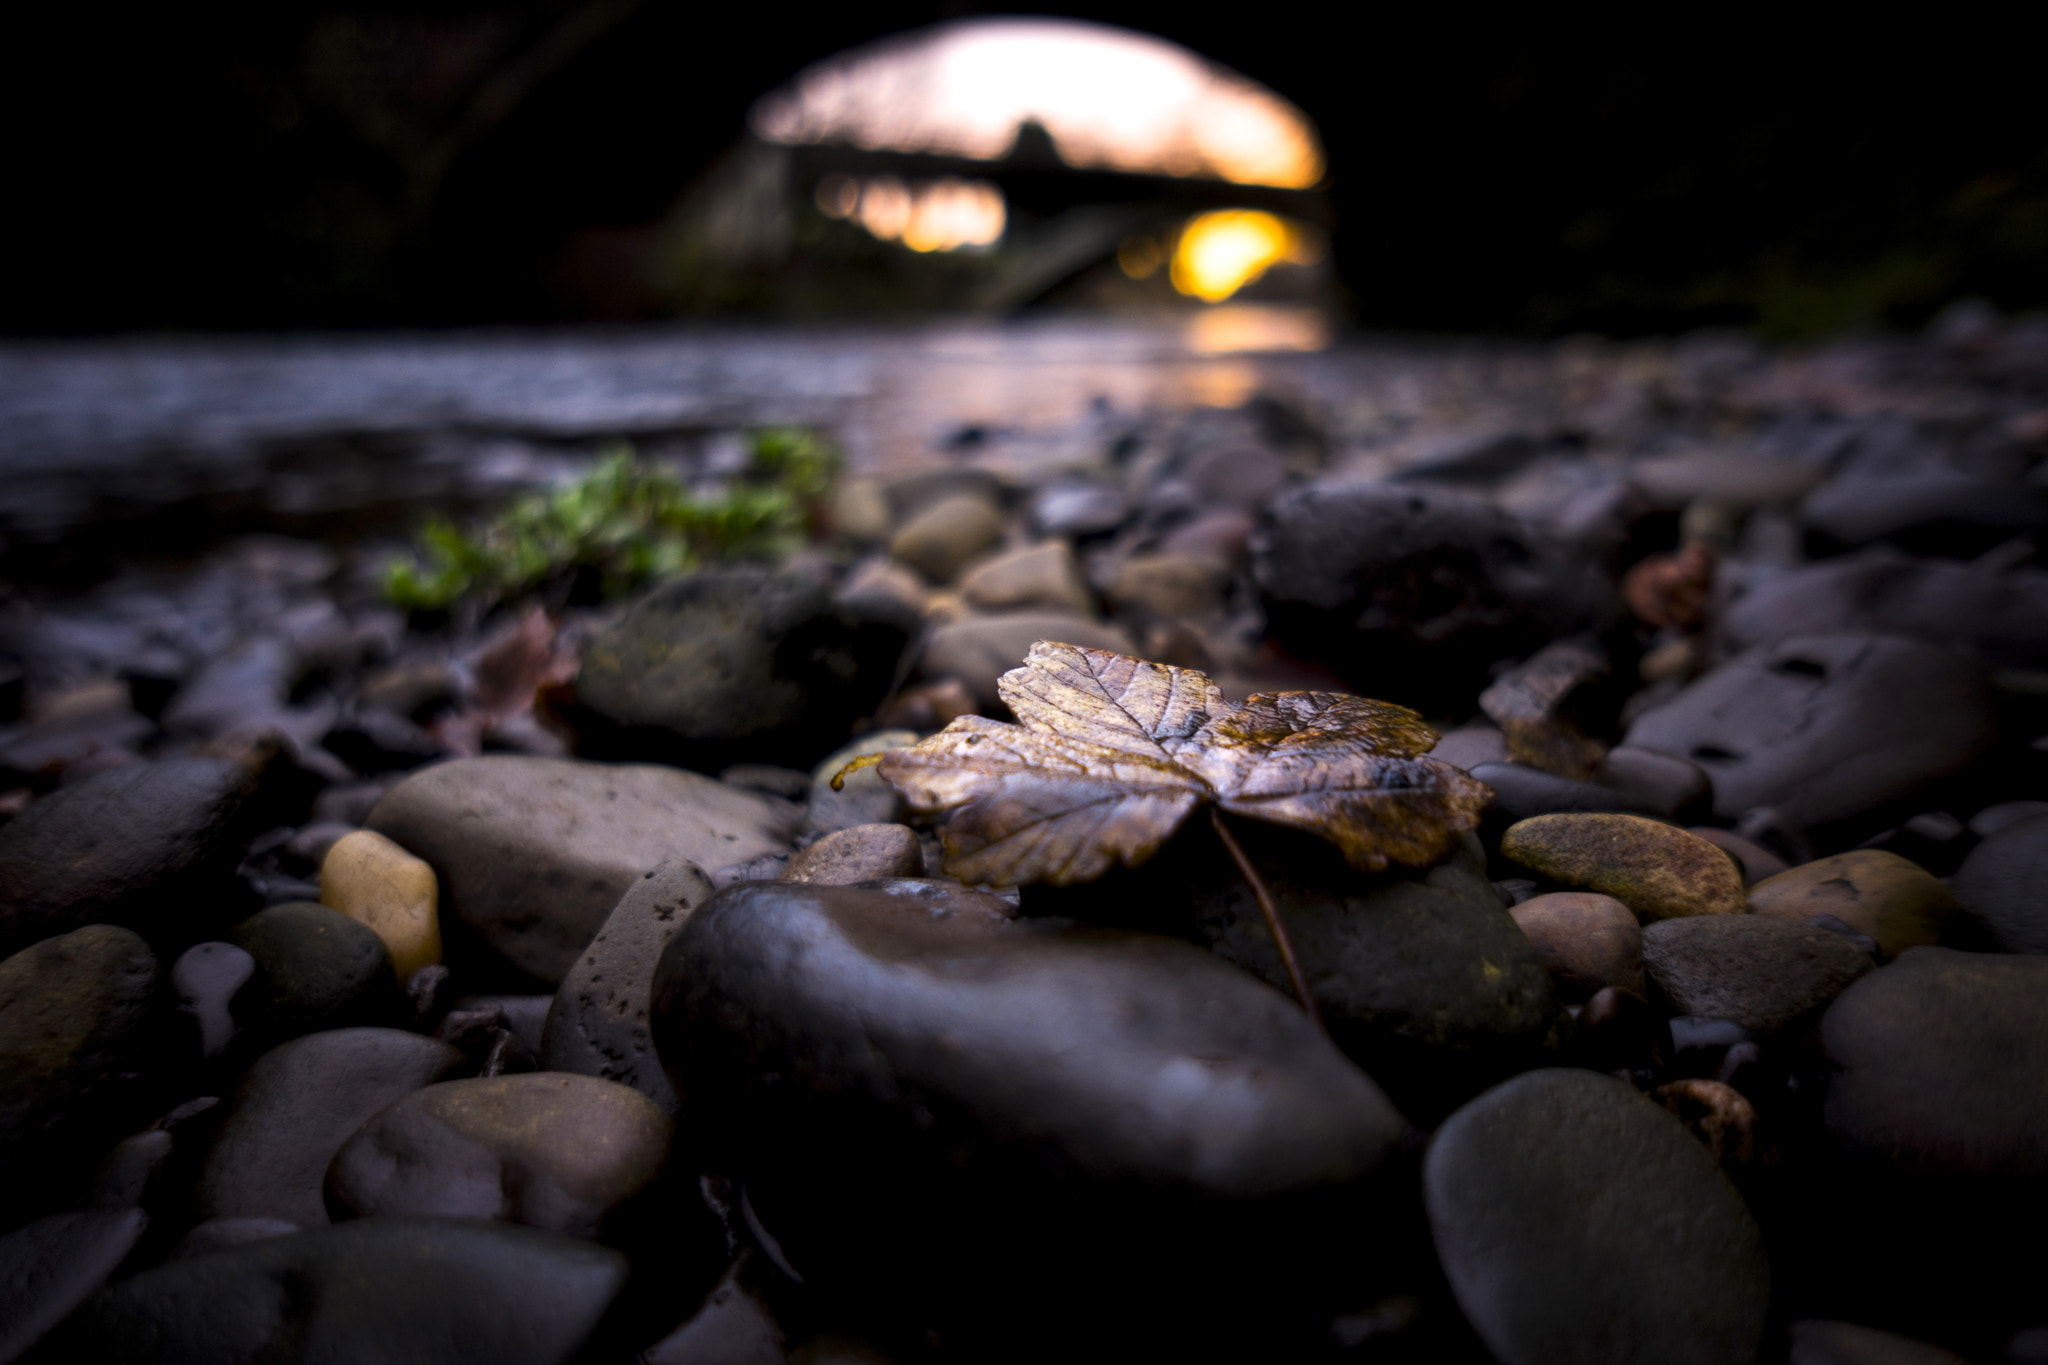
x: 1346, y: 768
x: 1111, y: 753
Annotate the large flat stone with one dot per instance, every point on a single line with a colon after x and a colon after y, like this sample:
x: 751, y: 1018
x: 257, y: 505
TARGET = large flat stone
x: 533, y: 853
x: 141, y: 844
x: 399, y: 1291
x: 1578, y: 1221
x: 922, y: 1090
x: 1826, y: 727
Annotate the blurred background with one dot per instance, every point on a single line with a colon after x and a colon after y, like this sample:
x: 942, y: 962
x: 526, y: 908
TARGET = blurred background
x: 421, y: 164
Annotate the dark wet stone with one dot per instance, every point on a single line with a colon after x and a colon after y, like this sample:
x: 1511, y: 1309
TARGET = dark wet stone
x: 1468, y: 746
x: 207, y: 977
x: 373, y: 740
x: 1618, y: 1030
x: 1826, y: 727
x: 249, y: 679
x: 911, y: 1079
x: 1411, y: 593
x: 1934, y: 839
x: 2003, y: 886
x: 1588, y: 941
x: 524, y: 1016
x: 393, y: 1290
x: 54, y: 1264
x: 149, y: 845
x: 533, y: 853
x: 1937, y: 1060
x: 738, y: 665
x: 295, y: 1108
x: 1522, y: 793
x: 1937, y: 512
x: 1992, y: 819
x: 1769, y: 975
x: 1077, y: 510
x: 555, y: 1151
x: 733, y: 1326
x: 787, y: 783
x: 82, y: 1037
x: 1673, y: 787
x: 218, y: 1234
x: 315, y: 969
x: 124, y: 1175
x: 1704, y: 1046
x: 1733, y: 478
x: 1577, y: 1220
x: 1422, y: 976
x: 598, y: 1025
x: 1815, y: 1342
x: 2003, y: 616
x: 1757, y: 862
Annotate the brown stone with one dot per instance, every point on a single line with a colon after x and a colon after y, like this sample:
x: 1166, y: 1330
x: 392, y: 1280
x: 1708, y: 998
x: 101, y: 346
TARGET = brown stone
x: 1041, y: 575
x: 1671, y: 589
x: 1169, y: 584
x: 1533, y: 705
x: 942, y: 537
x: 1892, y: 899
x: 1657, y: 870
x: 1717, y: 1115
x: 1588, y: 941
x: 862, y: 853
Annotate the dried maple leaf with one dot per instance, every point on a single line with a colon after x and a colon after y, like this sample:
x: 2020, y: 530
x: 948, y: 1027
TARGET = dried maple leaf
x: 1110, y: 754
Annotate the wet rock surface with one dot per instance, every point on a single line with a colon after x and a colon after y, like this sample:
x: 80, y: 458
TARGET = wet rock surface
x: 1765, y: 974
x: 737, y: 665
x: 314, y: 969
x: 1823, y: 727
x: 1893, y: 901
x: 392, y: 1289
x: 50, y: 1266
x: 2001, y: 885
x: 84, y: 1031
x: 1927, y: 1054
x: 151, y: 845
x: 533, y: 853
x: 1588, y: 941
x: 597, y: 1023
x: 295, y: 1108
x: 1938, y: 1142
x: 1409, y: 591
x: 559, y: 1152
x: 906, y: 1051
x: 1577, y: 1220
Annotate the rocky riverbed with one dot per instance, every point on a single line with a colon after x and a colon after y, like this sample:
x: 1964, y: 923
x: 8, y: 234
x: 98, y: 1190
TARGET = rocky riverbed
x: 513, y: 985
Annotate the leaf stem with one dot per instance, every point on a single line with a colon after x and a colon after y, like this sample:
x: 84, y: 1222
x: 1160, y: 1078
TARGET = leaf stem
x: 1272, y: 913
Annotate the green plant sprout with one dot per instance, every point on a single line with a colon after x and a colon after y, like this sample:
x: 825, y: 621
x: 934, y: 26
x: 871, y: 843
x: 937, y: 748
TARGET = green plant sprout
x: 628, y: 520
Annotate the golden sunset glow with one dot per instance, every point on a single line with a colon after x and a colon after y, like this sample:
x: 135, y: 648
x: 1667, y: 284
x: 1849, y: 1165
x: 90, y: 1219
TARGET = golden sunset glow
x: 1220, y: 253
x: 1109, y: 97
x: 938, y: 215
